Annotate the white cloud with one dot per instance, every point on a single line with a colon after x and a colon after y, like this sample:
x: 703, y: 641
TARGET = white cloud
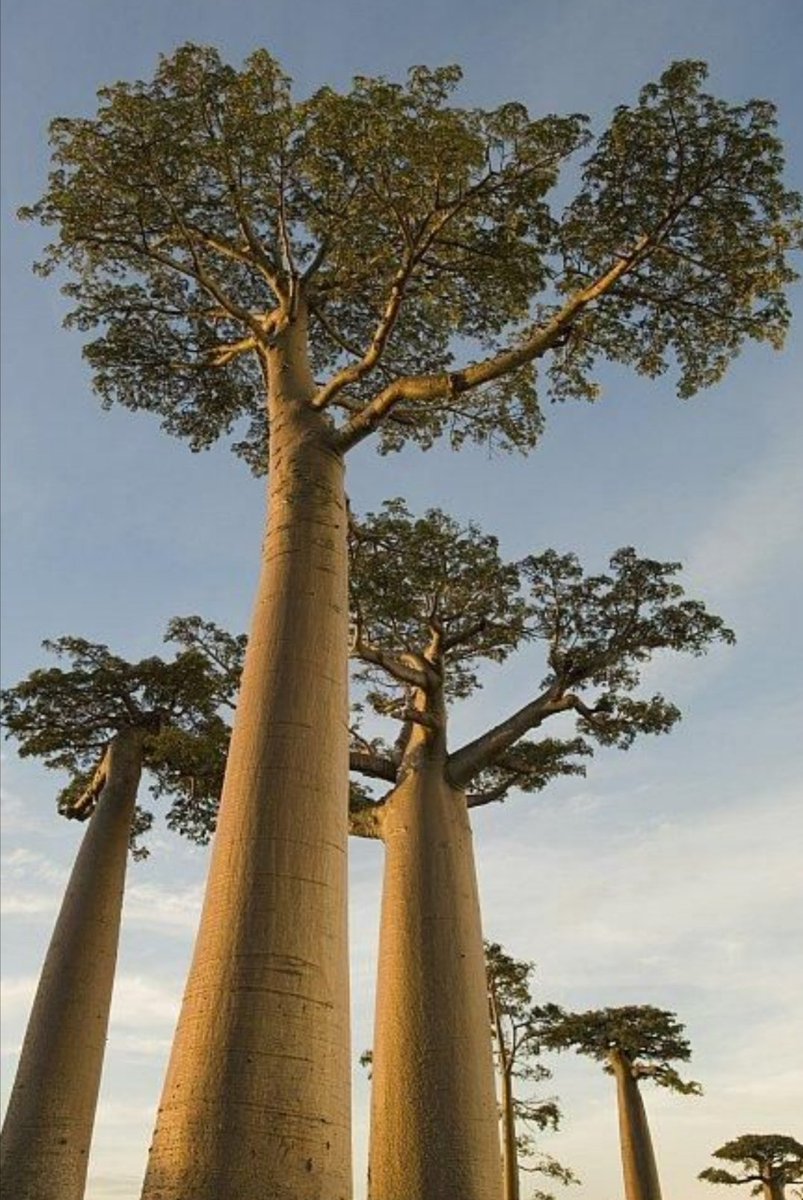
x: 169, y: 911
x: 141, y: 1003
x: 760, y: 520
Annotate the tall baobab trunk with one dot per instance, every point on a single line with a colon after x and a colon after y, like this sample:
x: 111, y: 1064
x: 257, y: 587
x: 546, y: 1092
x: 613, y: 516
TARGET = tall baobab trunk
x: 638, y: 1159
x: 256, y: 1102
x: 434, y: 1125
x: 48, y: 1125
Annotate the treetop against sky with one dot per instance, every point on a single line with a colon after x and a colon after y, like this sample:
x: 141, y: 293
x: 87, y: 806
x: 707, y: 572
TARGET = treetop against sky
x: 201, y: 212
x: 67, y: 718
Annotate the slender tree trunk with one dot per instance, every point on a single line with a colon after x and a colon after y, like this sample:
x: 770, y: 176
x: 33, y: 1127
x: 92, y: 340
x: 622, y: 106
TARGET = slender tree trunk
x: 256, y: 1103
x: 48, y: 1125
x: 510, y: 1156
x: 434, y: 1125
x: 638, y: 1160
x: 510, y: 1150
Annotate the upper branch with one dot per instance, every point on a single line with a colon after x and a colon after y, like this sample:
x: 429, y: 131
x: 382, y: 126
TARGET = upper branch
x: 446, y: 385
x: 355, y: 372
x: 403, y: 672
x: 483, y: 751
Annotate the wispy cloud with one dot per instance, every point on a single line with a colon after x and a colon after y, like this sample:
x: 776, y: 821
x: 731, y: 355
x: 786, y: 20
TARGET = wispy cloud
x: 760, y: 520
x: 140, y: 1003
x: 172, y: 912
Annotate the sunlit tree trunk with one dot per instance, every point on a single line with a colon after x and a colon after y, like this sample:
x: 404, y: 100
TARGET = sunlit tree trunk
x: 434, y: 1125
x: 256, y: 1101
x: 638, y: 1159
x: 51, y: 1112
x: 510, y: 1153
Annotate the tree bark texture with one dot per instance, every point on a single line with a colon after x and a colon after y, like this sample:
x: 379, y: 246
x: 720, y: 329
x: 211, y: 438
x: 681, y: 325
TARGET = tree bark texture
x: 51, y: 1111
x: 256, y: 1102
x: 638, y: 1159
x: 434, y: 1124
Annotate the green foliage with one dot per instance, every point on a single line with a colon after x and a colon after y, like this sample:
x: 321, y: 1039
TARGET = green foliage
x: 601, y: 629
x: 530, y: 765
x: 434, y: 597
x: 704, y: 177
x: 197, y: 205
x: 517, y: 1049
x: 416, y: 582
x: 763, y: 1158
x: 66, y: 717
x: 649, y: 1039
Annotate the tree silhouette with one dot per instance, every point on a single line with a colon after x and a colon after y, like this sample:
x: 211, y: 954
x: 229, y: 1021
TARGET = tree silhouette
x: 635, y: 1042
x: 767, y: 1160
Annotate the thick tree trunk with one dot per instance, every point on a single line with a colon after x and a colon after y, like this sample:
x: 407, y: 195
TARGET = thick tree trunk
x: 773, y: 1189
x: 638, y: 1160
x: 48, y: 1125
x: 434, y: 1126
x: 257, y: 1096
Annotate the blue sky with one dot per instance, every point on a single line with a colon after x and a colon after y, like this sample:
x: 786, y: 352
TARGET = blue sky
x: 671, y: 875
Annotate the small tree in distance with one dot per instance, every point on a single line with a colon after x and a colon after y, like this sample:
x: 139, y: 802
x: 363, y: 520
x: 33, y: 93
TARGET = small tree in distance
x: 517, y: 1049
x: 634, y: 1043
x: 768, y: 1160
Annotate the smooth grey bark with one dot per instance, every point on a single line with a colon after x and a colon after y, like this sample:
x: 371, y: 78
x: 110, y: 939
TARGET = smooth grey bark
x: 256, y: 1103
x: 638, y: 1158
x: 51, y: 1111
x: 434, y: 1124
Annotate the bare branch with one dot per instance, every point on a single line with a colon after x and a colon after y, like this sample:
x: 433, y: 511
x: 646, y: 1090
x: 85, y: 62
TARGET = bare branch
x: 374, y: 766
x: 82, y: 807
x: 365, y: 817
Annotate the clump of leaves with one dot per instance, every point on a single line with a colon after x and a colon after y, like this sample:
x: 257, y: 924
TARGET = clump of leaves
x: 66, y: 716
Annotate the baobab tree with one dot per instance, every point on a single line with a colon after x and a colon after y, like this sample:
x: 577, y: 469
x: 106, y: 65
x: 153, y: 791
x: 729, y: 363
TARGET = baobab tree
x: 767, y: 1160
x: 517, y: 1050
x: 381, y: 262
x: 103, y: 720
x: 515, y: 1059
x: 635, y: 1042
x: 442, y: 604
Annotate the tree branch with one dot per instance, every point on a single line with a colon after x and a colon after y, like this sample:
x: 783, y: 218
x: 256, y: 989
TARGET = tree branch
x: 401, y: 671
x: 375, y: 766
x: 483, y: 751
x: 365, y: 817
x: 422, y: 389
x: 355, y: 372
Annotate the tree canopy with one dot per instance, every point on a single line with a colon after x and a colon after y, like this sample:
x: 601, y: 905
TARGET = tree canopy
x: 66, y: 717
x: 200, y: 209
x: 763, y: 1158
x: 649, y: 1038
x: 444, y: 602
